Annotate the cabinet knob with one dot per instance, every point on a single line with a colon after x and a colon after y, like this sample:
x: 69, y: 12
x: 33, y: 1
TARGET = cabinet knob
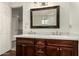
x: 23, y: 45
x: 60, y: 48
x: 57, y: 48
x: 40, y: 51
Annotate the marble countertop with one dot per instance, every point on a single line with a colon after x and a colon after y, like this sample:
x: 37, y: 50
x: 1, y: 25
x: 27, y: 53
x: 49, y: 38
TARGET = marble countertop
x: 42, y: 36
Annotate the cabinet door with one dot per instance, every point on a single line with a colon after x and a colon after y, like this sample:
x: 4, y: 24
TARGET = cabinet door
x: 24, y: 50
x: 65, y: 51
x: 29, y: 51
x: 19, y: 50
x: 52, y: 51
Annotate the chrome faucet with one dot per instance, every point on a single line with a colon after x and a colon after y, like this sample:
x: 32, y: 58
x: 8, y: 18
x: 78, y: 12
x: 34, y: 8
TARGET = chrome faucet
x: 31, y: 32
x: 56, y: 33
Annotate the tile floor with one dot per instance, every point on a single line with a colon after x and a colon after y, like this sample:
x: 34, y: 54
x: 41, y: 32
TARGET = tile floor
x: 9, y: 53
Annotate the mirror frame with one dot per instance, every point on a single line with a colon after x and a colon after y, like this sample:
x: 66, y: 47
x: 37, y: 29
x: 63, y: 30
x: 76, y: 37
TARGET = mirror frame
x: 46, y: 8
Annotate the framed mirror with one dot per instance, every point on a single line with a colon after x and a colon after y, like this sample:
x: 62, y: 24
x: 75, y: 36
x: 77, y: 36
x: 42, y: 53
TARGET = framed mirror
x: 46, y: 17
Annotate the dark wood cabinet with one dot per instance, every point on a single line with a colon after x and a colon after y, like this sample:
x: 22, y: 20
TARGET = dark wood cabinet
x: 24, y: 50
x: 40, y: 47
x: 24, y: 47
x: 28, y: 51
x: 66, y: 51
x: 52, y: 51
x: 46, y: 47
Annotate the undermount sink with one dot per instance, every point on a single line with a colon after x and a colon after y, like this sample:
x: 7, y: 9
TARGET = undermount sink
x: 47, y: 34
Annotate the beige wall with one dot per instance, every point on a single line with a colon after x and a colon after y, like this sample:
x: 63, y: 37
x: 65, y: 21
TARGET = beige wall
x: 68, y: 17
x: 5, y: 22
x: 78, y: 48
x: 74, y: 18
x: 64, y: 18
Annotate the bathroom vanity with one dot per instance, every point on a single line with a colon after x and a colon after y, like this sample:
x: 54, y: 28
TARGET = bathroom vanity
x: 46, y: 45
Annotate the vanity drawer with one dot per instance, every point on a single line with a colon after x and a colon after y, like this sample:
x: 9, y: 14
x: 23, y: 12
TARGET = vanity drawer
x: 40, y: 43
x: 27, y: 41
x: 68, y: 43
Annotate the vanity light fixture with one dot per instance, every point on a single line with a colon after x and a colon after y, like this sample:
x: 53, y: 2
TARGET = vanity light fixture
x: 41, y: 3
x: 44, y: 3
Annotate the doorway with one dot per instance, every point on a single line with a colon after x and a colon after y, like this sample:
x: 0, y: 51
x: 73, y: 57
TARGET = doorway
x: 17, y: 24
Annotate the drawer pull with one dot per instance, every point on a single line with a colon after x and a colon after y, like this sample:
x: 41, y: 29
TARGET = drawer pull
x: 39, y: 52
x: 40, y: 46
x: 40, y: 43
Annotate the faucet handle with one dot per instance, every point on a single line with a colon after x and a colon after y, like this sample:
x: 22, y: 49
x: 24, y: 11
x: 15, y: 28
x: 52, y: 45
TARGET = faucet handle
x: 53, y: 33
x: 57, y: 33
x: 31, y: 32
